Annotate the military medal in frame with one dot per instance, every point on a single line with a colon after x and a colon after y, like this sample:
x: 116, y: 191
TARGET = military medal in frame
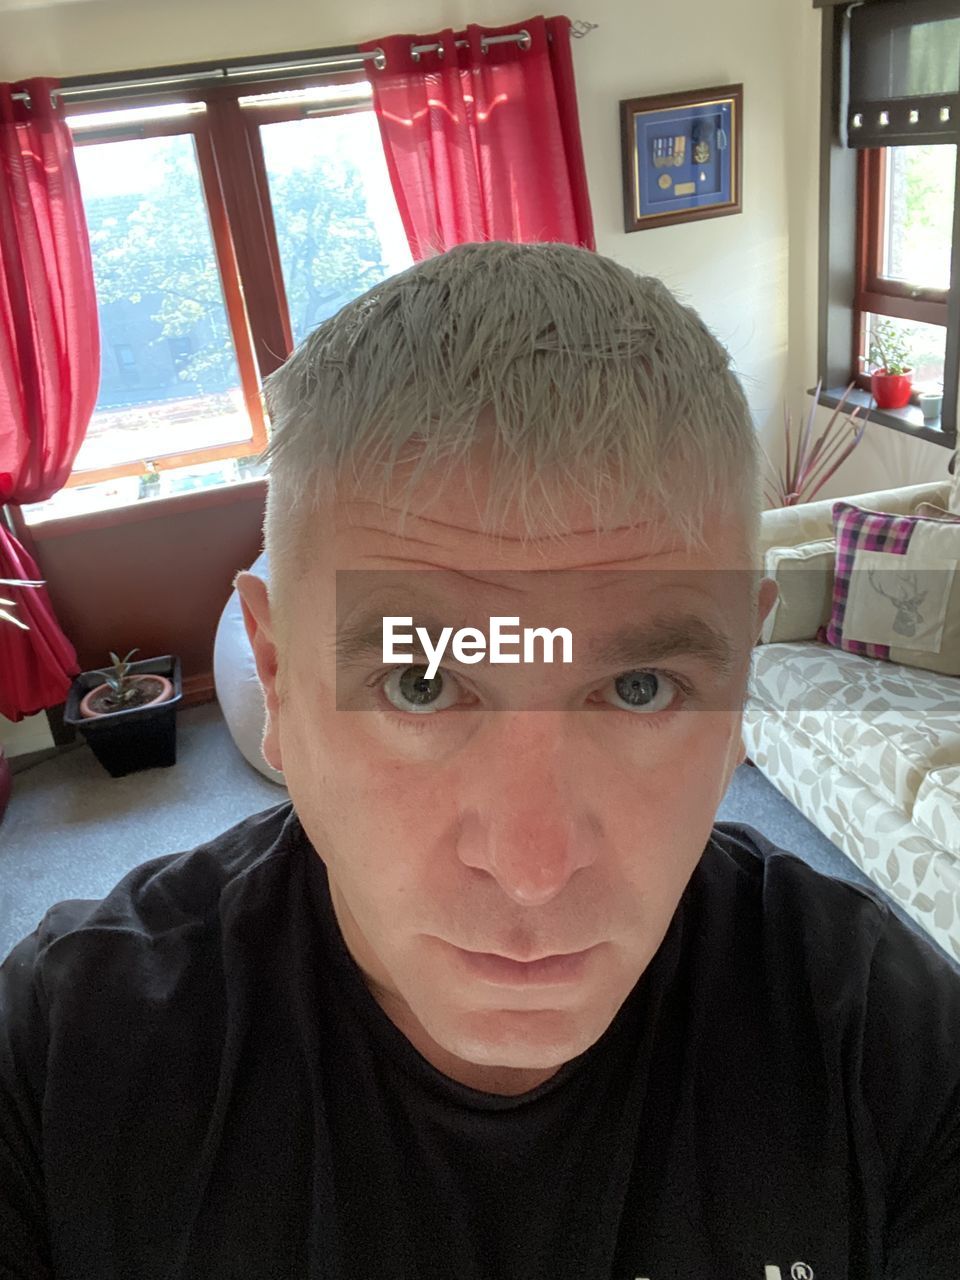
x: 682, y: 156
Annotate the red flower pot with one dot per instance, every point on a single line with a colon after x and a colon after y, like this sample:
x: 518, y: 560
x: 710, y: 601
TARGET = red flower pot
x: 891, y: 390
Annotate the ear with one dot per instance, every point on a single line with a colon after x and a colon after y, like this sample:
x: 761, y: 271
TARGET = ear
x: 255, y: 603
x: 732, y: 763
x: 766, y: 599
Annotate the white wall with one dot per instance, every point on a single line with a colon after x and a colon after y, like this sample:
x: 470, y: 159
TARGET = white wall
x: 30, y: 734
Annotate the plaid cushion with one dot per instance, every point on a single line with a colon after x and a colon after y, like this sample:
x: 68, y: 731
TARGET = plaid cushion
x: 857, y: 530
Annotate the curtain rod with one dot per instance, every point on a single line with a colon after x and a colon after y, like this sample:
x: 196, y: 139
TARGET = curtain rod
x: 347, y: 60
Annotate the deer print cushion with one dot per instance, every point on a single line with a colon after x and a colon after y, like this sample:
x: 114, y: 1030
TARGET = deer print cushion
x: 896, y: 589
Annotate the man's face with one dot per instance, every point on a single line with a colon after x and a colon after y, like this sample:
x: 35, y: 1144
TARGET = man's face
x: 534, y: 813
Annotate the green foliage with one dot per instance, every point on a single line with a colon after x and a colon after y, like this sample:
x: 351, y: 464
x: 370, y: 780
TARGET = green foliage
x: 329, y: 247
x: 921, y: 214
x: 159, y: 246
x: 121, y: 684
x: 889, y: 352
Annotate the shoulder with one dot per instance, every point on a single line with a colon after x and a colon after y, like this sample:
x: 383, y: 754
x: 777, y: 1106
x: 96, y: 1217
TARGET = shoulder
x: 827, y: 922
x: 149, y: 929
x: 855, y: 1016
x: 883, y: 995
x: 802, y: 904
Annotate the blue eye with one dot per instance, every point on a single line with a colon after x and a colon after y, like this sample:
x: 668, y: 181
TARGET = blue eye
x: 409, y: 689
x: 645, y: 692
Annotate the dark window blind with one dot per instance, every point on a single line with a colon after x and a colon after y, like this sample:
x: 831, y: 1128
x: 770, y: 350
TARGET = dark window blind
x: 902, y: 64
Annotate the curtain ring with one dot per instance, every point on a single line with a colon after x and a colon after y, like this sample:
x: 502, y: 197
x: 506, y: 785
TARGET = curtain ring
x: 525, y: 38
x: 418, y: 50
x: 379, y: 59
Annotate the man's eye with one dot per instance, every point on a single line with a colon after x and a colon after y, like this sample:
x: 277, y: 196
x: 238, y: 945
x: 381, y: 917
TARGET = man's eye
x: 409, y: 689
x: 645, y: 692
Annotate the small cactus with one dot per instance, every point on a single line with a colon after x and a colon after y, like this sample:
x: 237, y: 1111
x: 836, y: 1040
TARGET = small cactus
x: 122, y: 686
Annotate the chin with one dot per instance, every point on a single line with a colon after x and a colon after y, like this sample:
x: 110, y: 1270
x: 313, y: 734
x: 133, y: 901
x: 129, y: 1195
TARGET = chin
x: 530, y: 1039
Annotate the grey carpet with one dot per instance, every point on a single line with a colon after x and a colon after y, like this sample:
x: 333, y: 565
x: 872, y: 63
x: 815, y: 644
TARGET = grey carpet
x: 72, y: 831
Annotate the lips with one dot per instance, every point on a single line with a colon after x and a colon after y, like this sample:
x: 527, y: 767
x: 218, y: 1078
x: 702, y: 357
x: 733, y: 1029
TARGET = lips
x: 504, y: 970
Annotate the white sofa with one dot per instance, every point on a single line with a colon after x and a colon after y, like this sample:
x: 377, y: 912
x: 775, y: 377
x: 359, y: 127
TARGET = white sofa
x: 868, y: 750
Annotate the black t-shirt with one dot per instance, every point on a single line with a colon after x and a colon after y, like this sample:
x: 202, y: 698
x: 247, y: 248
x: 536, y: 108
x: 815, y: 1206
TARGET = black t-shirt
x: 195, y: 1082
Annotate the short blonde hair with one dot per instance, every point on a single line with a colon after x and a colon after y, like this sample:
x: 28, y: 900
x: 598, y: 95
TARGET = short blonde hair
x: 581, y: 377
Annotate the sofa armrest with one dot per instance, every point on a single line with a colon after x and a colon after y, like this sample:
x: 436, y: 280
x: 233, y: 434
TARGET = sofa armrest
x: 810, y: 521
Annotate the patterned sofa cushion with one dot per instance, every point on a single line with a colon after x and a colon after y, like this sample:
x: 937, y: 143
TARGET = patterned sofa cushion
x: 901, y: 858
x: 890, y: 725
x: 937, y: 807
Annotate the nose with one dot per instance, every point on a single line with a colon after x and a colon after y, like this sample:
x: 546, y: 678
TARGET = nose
x: 525, y: 819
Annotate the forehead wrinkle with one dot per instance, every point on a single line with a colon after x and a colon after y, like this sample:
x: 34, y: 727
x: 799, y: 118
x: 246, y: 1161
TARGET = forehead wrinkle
x: 460, y: 573
x: 523, y: 539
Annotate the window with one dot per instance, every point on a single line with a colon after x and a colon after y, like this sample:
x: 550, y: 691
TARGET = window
x: 890, y: 128
x: 223, y: 229
x: 906, y: 240
x: 338, y: 232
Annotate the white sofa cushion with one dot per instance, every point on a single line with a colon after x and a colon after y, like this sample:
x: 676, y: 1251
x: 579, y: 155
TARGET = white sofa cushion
x: 901, y: 858
x: 937, y: 807
x: 788, y: 526
x: 889, y: 725
x: 804, y: 578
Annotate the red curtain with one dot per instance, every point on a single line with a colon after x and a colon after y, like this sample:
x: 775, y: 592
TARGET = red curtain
x: 483, y: 144
x: 49, y: 367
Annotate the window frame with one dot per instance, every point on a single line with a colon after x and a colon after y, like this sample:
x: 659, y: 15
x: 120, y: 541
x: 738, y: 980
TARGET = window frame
x: 845, y: 254
x: 235, y: 188
x: 875, y: 293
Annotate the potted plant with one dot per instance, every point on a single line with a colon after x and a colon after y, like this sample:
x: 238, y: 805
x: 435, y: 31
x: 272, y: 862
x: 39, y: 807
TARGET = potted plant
x: 891, y: 380
x: 810, y: 460
x: 128, y: 713
x: 7, y: 616
x: 149, y: 482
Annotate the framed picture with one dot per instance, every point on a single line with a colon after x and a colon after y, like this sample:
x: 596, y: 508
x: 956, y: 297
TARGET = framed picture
x: 682, y: 156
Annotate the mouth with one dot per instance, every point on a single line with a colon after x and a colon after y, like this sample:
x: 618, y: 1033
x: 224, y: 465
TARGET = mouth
x: 565, y: 967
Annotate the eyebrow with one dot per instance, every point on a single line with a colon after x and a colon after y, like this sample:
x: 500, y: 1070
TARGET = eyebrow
x: 669, y: 636
x: 363, y: 638
x: 663, y: 638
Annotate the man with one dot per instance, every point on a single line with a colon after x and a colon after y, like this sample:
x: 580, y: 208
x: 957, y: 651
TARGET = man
x: 493, y: 997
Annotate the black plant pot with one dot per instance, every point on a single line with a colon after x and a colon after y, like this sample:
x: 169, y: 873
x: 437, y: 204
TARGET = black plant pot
x: 138, y: 738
